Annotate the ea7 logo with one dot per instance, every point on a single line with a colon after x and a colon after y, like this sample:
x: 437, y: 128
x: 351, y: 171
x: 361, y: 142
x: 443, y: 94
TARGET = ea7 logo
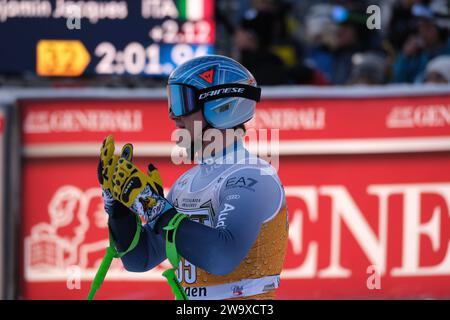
x: 241, y: 182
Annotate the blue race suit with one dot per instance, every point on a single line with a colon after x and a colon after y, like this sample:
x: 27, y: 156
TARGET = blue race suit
x: 234, y: 244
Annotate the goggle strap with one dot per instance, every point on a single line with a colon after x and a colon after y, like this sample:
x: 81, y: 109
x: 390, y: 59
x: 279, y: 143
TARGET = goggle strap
x: 229, y: 90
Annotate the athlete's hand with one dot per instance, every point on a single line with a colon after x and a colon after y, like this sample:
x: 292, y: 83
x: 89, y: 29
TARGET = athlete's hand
x: 142, y: 193
x: 105, y: 171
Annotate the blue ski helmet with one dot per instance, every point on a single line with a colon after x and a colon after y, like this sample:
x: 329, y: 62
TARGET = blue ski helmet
x: 221, y: 87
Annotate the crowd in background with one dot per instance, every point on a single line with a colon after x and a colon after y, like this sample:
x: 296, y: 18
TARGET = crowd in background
x: 314, y: 42
x: 329, y: 42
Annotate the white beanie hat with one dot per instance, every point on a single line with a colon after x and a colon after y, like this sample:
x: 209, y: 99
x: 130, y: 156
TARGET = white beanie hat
x: 440, y: 65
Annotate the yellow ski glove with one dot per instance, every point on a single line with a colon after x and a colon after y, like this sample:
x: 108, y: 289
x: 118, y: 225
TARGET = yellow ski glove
x: 105, y: 170
x: 141, y: 193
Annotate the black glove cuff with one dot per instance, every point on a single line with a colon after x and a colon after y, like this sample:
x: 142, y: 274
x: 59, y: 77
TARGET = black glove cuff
x: 118, y: 210
x: 164, y: 220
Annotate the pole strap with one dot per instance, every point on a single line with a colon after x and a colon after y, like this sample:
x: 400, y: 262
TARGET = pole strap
x: 110, y: 254
x: 173, y: 256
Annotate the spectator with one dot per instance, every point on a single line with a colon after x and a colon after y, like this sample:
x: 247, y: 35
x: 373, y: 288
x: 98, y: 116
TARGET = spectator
x: 333, y: 47
x: 353, y: 36
x: 402, y: 23
x: 253, y: 40
x: 430, y: 41
x: 266, y: 46
x: 320, y: 35
x: 438, y: 70
x: 367, y: 69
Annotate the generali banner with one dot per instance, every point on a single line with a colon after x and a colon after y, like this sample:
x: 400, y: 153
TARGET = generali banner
x: 60, y: 121
x: 367, y: 184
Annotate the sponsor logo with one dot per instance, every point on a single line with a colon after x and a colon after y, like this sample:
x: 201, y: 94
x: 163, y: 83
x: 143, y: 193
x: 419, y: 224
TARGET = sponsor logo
x: 82, y: 121
x: 223, y: 215
x: 271, y: 286
x: 238, y: 291
x: 72, y: 235
x: 402, y: 230
x: 289, y: 119
x: 157, y: 209
x: 233, y: 197
x: 240, y: 182
x: 207, y: 75
x: 196, y: 291
x: 419, y: 116
x: 133, y: 184
x: 190, y: 202
x: 375, y: 244
x: 214, y: 93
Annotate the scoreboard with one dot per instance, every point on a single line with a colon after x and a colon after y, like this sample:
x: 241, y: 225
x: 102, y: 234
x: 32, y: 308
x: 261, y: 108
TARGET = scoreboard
x: 101, y: 37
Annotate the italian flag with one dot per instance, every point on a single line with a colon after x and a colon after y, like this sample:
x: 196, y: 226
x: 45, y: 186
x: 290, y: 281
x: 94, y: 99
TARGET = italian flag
x: 195, y: 9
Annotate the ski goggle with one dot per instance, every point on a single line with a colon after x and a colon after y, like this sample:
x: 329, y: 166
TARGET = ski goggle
x: 184, y: 99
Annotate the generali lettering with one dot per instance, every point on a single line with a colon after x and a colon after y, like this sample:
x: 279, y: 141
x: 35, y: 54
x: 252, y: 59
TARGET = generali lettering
x: 83, y: 121
x: 424, y: 217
